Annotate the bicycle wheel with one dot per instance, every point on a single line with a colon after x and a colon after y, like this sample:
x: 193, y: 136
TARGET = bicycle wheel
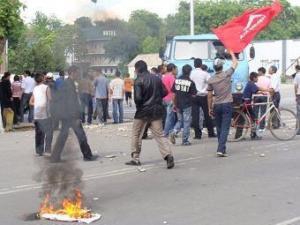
x: 239, y: 127
x: 283, y: 124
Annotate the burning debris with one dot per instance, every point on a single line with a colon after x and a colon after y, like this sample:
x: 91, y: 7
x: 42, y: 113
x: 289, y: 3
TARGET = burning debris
x: 70, y: 210
x: 62, y: 196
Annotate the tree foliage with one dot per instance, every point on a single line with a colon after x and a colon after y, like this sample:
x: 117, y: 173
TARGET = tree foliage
x: 210, y: 14
x: 43, y: 46
x: 11, y: 23
x: 141, y: 34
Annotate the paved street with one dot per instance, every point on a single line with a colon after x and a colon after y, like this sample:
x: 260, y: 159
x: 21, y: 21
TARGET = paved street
x: 257, y: 185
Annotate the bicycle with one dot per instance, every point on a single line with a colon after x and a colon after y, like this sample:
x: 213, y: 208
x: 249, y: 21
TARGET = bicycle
x: 282, y: 122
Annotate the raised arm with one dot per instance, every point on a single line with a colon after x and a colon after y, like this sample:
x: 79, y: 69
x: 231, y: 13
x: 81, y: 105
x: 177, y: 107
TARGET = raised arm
x: 234, y: 60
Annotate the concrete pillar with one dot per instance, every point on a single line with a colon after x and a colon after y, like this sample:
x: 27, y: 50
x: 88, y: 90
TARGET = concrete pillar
x: 284, y: 57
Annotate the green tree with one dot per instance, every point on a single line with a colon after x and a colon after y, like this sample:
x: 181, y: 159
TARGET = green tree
x: 150, y: 45
x: 11, y: 23
x: 143, y: 24
x: 44, y: 45
x: 210, y: 14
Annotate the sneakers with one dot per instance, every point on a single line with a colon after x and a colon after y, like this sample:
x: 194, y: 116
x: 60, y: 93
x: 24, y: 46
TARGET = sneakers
x: 221, y: 154
x: 173, y: 138
x: 91, y: 158
x: 255, y: 137
x: 133, y: 162
x: 170, y: 161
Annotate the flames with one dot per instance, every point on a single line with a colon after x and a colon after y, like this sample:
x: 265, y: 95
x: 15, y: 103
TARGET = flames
x: 71, y: 207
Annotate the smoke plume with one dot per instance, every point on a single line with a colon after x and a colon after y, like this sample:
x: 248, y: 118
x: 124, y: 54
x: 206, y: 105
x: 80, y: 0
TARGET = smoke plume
x: 59, y: 180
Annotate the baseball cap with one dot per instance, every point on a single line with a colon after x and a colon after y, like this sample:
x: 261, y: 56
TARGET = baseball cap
x: 49, y: 75
x: 219, y: 62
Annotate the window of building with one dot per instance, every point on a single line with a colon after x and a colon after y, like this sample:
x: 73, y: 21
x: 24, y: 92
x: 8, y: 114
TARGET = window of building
x: 109, y: 33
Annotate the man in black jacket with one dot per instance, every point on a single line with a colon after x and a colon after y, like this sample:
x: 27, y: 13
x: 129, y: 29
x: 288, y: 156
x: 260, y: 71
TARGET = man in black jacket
x: 6, y: 101
x: 148, y: 94
x: 69, y: 113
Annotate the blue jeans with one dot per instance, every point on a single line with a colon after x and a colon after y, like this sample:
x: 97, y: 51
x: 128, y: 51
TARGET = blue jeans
x: 223, y: 114
x: 170, y: 118
x: 86, y: 102
x: 118, y: 110
x: 184, y: 117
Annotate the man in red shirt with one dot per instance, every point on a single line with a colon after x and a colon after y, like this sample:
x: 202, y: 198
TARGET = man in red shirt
x: 168, y: 80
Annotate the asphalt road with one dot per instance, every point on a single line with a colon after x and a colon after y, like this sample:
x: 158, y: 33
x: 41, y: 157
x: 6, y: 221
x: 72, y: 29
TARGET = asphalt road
x: 257, y: 184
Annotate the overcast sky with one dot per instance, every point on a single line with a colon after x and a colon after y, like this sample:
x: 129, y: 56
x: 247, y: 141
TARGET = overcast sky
x: 68, y: 10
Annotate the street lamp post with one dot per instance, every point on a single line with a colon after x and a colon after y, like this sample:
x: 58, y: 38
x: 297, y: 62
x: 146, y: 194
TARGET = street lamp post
x: 192, y: 22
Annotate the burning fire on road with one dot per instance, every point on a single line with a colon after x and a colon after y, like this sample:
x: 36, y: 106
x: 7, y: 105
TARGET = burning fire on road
x: 70, y: 210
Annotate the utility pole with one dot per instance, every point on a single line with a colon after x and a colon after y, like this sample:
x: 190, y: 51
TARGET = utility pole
x: 192, y: 19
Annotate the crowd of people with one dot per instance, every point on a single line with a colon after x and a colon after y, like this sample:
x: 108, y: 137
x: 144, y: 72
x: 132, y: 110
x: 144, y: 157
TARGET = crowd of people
x: 94, y: 89
x: 165, y: 103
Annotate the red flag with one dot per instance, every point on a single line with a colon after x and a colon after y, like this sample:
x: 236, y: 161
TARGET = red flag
x: 240, y: 31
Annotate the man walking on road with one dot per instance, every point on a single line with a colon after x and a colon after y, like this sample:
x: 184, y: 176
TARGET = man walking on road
x: 297, y: 93
x: 28, y: 84
x: 117, y: 95
x: 70, y: 116
x: 148, y: 96
x: 201, y: 78
x: 221, y: 107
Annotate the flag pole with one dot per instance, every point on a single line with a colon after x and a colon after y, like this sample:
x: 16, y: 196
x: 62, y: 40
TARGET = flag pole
x: 192, y: 22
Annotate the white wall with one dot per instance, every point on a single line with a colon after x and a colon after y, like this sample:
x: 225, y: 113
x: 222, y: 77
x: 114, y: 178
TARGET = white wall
x: 271, y: 53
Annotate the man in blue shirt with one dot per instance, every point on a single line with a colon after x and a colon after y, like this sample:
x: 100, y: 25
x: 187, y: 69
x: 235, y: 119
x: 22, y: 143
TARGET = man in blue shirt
x: 251, y: 89
x: 101, y: 84
x: 59, y: 81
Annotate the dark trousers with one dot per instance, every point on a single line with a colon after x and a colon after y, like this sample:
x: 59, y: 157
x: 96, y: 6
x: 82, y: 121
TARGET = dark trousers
x: 2, y: 116
x: 43, y: 136
x: 201, y: 101
x: 25, y: 103
x: 102, y: 109
x: 276, y: 100
x: 261, y: 109
x: 223, y: 114
x: 86, y: 102
x: 16, y: 109
x: 76, y: 125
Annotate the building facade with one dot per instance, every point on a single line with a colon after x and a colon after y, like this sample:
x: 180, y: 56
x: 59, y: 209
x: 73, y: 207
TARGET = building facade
x: 95, y: 56
x: 284, y: 54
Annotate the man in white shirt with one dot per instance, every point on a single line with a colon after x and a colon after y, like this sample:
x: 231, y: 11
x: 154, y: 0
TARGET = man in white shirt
x: 200, y: 78
x: 117, y: 94
x: 275, y: 85
x: 40, y: 100
x: 275, y: 90
x: 28, y: 84
x: 297, y: 92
